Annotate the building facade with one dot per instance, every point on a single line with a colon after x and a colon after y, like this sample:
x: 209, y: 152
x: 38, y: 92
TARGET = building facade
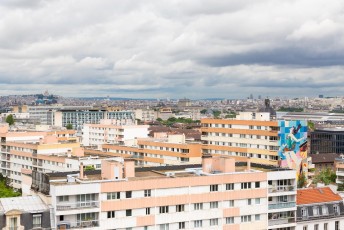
x: 327, y: 141
x: 255, y: 135
x: 217, y: 194
x: 319, y: 209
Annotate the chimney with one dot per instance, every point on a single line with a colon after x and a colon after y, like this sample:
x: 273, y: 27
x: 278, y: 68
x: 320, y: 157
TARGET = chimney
x: 81, y: 171
x: 129, y: 168
x: 248, y: 164
x: 207, y: 163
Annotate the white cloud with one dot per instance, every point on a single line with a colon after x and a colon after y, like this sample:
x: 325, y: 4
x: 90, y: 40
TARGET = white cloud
x: 156, y: 48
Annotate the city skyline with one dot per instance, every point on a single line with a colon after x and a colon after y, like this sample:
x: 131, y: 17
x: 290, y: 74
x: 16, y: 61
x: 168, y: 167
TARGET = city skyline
x: 160, y: 49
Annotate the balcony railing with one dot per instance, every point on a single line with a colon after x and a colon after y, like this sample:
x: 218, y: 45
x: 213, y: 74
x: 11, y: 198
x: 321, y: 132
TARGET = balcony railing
x: 287, y: 220
x: 77, y: 205
x: 282, y: 205
x: 319, y: 217
x: 285, y: 188
x: 78, y: 224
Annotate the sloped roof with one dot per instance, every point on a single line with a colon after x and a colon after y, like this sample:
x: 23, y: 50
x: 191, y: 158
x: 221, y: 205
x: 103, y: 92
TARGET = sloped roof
x: 316, y: 195
x: 31, y: 204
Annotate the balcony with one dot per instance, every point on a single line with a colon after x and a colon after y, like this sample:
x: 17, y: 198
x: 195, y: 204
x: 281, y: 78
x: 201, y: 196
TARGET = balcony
x: 78, y: 224
x: 285, y: 188
x: 78, y: 205
x: 282, y: 205
x: 287, y: 220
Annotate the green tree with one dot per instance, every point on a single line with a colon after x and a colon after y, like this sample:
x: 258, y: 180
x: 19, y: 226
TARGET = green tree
x: 311, y: 125
x: 203, y: 111
x: 159, y: 119
x: 69, y: 126
x: 302, y: 180
x: 325, y: 176
x: 216, y: 113
x: 10, y: 119
x: 89, y: 168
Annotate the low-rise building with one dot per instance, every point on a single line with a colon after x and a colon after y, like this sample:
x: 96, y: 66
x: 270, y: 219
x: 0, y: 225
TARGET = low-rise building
x: 19, y: 213
x: 319, y: 209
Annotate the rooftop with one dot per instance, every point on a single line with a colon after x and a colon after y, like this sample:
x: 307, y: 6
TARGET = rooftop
x: 32, y: 204
x: 316, y: 195
x: 324, y: 158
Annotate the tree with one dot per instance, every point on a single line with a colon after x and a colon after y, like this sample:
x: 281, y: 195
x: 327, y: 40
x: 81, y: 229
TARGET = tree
x: 311, y: 126
x: 325, y: 176
x: 203, y: 111
x: 10, y: 119
x: 69, y: 126
x: 216, y: 113
x: 89, y: 168
x: 302, y: 180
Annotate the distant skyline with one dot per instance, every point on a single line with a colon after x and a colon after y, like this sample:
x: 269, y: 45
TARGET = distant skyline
x: 172, y: 49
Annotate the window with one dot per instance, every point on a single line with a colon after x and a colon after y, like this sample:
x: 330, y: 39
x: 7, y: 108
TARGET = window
x: 214, y: 222
x: 257, y: 184
x: 214, y: 204
x: 198, y: 206
x: 336, y: 209
x: 257, y: 217
x: 181, y: 225
x: 113, y: 195
x: 128, y: 212
x: 229, y: 220
x: 316, y: 211
x: 111, y: 214
x: 324, y: 210
x: 325, y: 226
x: 163, y: 209
x: 63, y: 198
x: 230, y: 186
x: 257, y: 201
x: 336, y: 225
x: 304, y: 212
x: 147, y: 211
x: 198, y: 223
x: 246, y: 185
x: 231, y: 203
x: 164, y: 226
x: 128, y: 194
x: 316, y: 227
x: 245, y: 219
x: 214, y: 188
x: 13, y: 223
x: 148, y: 192
x: 180, y: 208
x: 37, y: 221
x: 249, y: 201
x: 305, y: 227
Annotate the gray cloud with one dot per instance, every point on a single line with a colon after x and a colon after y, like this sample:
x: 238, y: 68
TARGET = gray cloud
x: 177, y: 48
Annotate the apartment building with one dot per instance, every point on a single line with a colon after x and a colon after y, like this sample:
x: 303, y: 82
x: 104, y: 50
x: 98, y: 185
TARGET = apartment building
x: 217, y: 194
x: 255, y: 135
x: 40, y: 151
x: 170, y: 150
x: 108, y: 133
x: 19, y: 213
x: 77, y: 118
x: 319, y: 209
x: 339, y: 168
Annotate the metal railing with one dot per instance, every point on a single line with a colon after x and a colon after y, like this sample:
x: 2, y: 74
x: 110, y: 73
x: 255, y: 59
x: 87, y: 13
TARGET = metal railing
x: 284, y: 188
x: 288, y: 220
x: 78, y: 224
x: 319, y: 217
x: 282, y: 205
x: 77, y: 205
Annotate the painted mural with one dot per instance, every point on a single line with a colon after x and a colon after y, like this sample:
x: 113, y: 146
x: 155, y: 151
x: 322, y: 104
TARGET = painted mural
x: 293, y: 145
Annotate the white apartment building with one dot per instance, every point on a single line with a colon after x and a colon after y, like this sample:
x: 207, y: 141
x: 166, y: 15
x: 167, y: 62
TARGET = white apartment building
x: 218, y: 194
x: 107, y: 133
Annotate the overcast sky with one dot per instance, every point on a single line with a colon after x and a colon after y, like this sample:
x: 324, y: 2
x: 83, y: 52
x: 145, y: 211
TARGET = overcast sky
x: 174, y: 48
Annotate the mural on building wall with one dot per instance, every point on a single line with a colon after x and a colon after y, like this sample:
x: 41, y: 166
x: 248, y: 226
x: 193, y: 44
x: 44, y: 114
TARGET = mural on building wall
x: 293, y: 145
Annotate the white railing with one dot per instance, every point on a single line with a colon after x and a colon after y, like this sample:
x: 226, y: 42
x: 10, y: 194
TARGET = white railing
x: 284, y: 188
x: 282, y: 205
x: 77, y: 205
x: 78, y: 224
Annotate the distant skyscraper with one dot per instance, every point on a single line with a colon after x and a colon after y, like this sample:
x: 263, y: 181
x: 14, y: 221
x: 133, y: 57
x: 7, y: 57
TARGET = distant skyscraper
x: 251, y: 96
